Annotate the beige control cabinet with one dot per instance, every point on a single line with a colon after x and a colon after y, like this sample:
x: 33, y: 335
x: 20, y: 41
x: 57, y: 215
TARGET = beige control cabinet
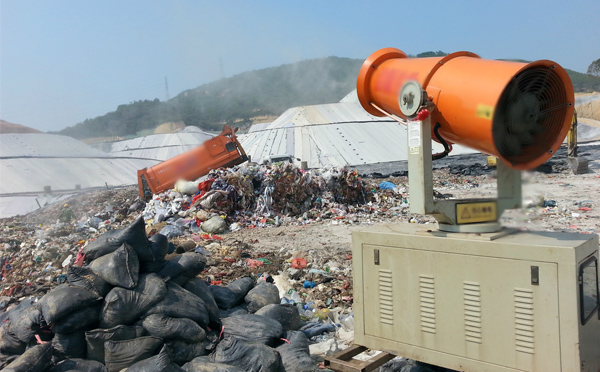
x: 506, y: 301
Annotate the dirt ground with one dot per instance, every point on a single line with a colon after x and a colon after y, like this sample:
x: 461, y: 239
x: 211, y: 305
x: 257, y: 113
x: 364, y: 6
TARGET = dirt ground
x: 569, y: 192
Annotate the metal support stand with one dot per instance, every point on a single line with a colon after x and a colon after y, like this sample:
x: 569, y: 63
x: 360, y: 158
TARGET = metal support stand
x: 478, y: 215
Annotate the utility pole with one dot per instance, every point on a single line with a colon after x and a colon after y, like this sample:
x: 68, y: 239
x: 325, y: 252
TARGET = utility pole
x: 166, y: 90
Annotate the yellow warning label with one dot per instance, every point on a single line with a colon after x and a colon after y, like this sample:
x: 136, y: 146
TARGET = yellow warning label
x: 485, y: 112
x: 476, y: 212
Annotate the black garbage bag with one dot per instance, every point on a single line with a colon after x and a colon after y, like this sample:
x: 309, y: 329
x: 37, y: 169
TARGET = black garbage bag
x: 238, y: 310
x: 155, y: 250
x: 249, y: 356
x: 296, y: 354
x: 84, y: 318
x: 199, y: 287
x: 233, y: 294
x: 202, y: 365
x: 79, y: 365
x: 85, y: 278
x: 158, y: 363
x: 179, y: 303
x: 253, y: 328
x: 125, y: 306
x: 182, y: 352
x: 192, y: 263
x: 110, y: 241
x: 38, y: 359
x: 28, y: 302
x: 183, y: 267
x: 123, y: 354
x: 262, y: 295
x: 159, y: 246
x: 425, y: 367
x: 153, y: 266
x: 9, y: 342
x: 5, y: 301
x: 6, y: 360
x: 70, y: 345
x: 399, y: 365
x: 120, y: 268
x: 410, y: 365
x: 169, y: 328
x: 170, y: 270
x: 95, y: 339
x: 64, y: 300
x: 25, y: 323
x: 224, y: 297
x: 286, y: 314
x: 241, y: 286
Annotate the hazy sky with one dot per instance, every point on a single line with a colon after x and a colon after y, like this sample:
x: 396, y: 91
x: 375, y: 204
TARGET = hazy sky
x: 64, y: 61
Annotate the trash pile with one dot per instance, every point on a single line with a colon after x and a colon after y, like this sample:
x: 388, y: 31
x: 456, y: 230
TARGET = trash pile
x: 36, y: 249
x: 128, y: 303
x: 257, y: 196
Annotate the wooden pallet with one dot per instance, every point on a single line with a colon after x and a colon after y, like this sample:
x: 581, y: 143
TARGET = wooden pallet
x: 343, y: 361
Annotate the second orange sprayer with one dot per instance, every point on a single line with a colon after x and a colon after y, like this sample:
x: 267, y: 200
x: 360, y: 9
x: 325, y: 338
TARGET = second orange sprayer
x: 519, y: 112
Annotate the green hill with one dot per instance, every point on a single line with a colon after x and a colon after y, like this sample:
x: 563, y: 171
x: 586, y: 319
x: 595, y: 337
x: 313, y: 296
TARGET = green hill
x: 235, y: 100
x: 249, y: 97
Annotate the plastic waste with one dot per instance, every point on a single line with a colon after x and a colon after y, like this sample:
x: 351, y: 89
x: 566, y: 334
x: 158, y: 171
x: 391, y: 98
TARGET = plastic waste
x: 309, y: 284
x: 171, y: 231
x: 214, y: 225
x: 67, y: 261
x: 347, y: 321
x: 312, y: 329
x: 387, y: 186
x: 294, y: 297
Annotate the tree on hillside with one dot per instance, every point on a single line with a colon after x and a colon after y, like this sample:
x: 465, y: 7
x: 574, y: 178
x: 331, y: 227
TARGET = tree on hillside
x: 439, y: 53
x: 594, y: 68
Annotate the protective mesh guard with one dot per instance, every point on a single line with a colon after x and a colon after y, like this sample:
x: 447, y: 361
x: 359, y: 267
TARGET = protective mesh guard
x: 530, y: 115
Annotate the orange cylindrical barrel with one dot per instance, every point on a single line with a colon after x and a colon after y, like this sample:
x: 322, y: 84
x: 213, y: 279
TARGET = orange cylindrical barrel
x: 219, y: 151
x: 519, y: 112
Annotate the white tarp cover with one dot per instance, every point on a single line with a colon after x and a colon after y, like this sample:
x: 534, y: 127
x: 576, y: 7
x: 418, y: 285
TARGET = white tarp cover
x: 160, y: 146
x: 337, y: 134
x: 31, y: 161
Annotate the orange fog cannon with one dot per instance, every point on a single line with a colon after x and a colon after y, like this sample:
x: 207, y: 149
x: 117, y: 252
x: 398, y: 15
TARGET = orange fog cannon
x: 518, y: 112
